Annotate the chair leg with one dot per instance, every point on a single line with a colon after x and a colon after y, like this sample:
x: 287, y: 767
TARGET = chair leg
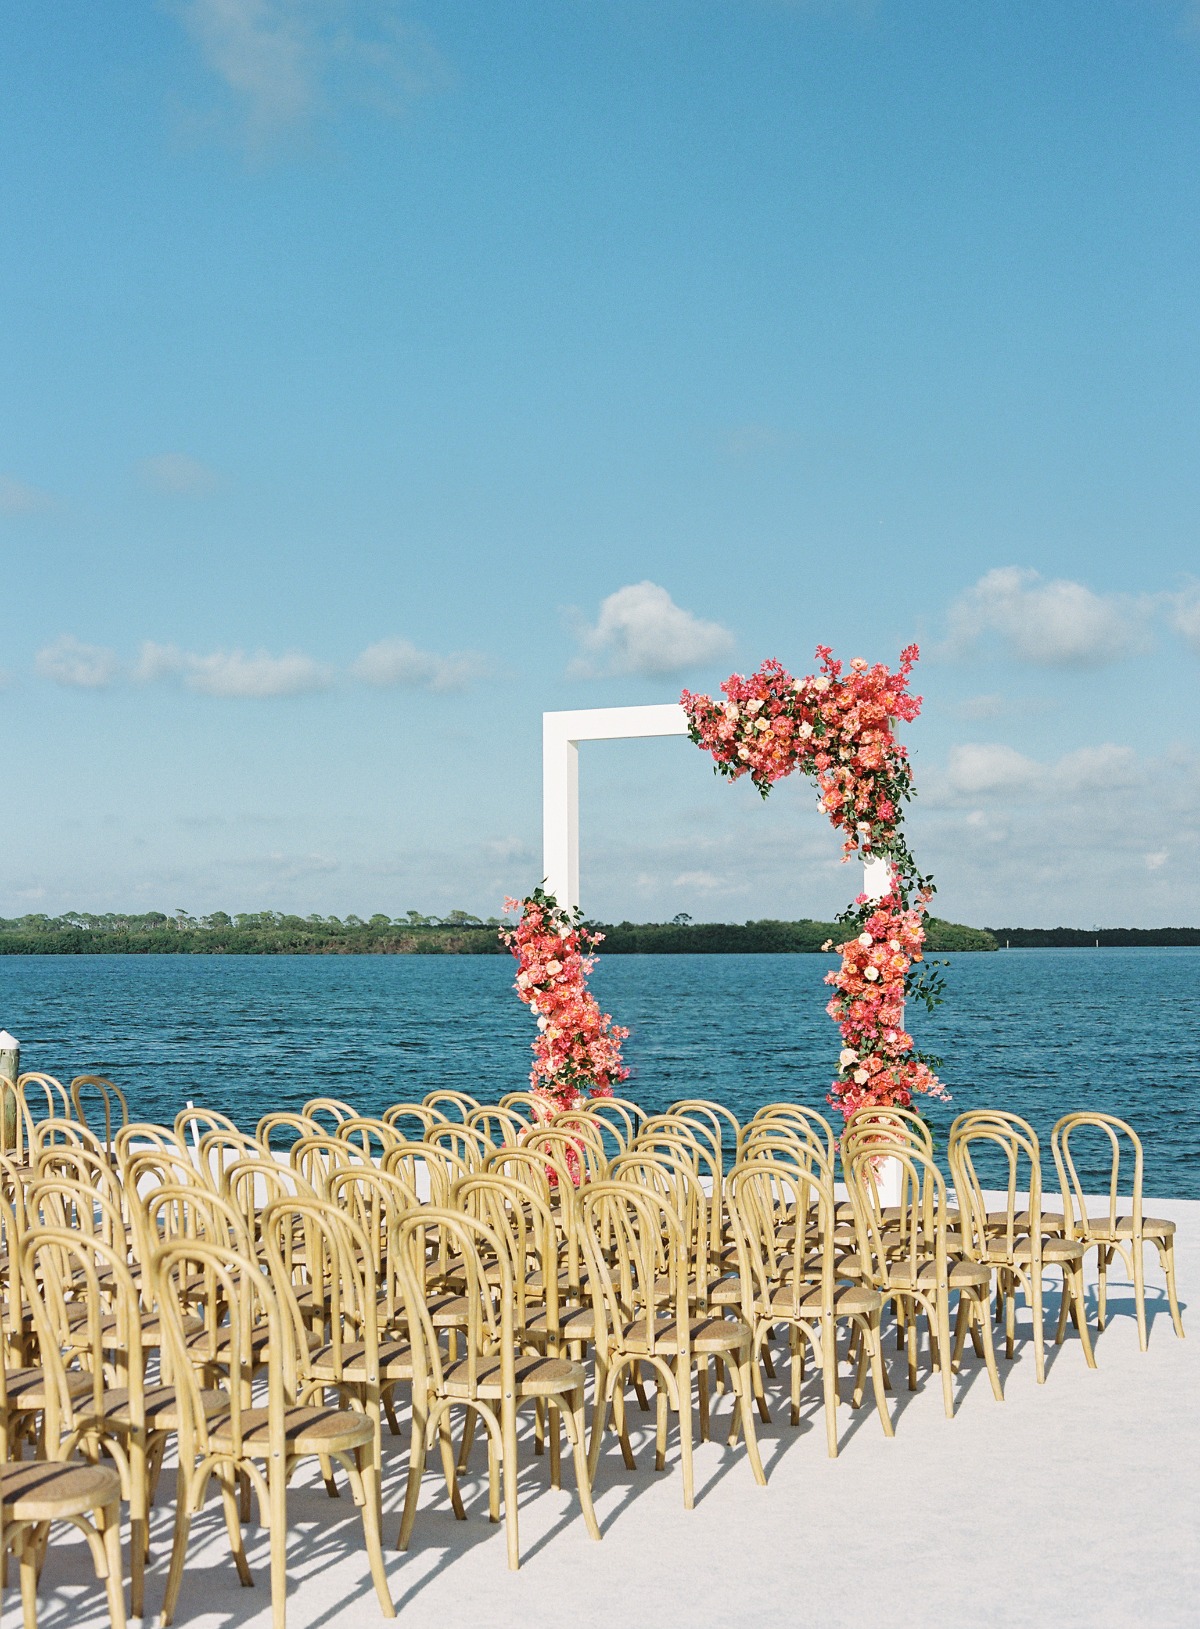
x: 1039, y: 1330
x: 277, y: 1504
x: 683, y: 1381
x: 183, y: 1523
x: 28, y: 1563
x: 1139, y: 1289
x: 583, y: 1479
x: 941, y: 1311
x: 109, y: 1523
x: 446, y: 1449
x: 1079, y: 1309
x: 468, y: 1437
x: 745, y: 1407
x: 1166, y: 1253
x: 227, y: 1482
x: 622, y: 1424
x: 418, y: 1448
x: 508, y: 1433
x: 139, y: 1511
x: 660, y: 1425
x: 599, y: 1419
x: 553, y: 1429
x: 373, y: 1530
x: 1103, y: 1257
x: 879, y: 1374
x: 984, y: 1319
x: 829, y: 1383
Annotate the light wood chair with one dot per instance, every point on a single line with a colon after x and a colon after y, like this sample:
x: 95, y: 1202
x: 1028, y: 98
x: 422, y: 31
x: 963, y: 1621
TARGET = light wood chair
x: 262, y: 1443
x: 717, y: 1120
x: 1013, y: 1242
x: 112, y: 1105
x: 501, y: 1127
x: 334, y: 1111
x: 419, y: 1113
x: 39, y: 1492
x: 372, y: 1138
x: 492, y: 1377
x: 468, y: 1143
x: 792, y: 1280
x: 1121, y: 1229
x: 191, y: 1124
x: 285, y: 1128
x: 805, y: 1121
x: 640, y: 1274
x: 903, y: 1253
x: 450, y: 1104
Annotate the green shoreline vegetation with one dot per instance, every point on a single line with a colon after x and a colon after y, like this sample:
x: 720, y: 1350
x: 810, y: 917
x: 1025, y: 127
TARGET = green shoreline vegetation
x: 272, y: 933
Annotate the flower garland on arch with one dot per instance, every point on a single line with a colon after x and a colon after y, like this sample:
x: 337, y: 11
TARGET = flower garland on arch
x: 837, y: 726
x: 577, y: 1053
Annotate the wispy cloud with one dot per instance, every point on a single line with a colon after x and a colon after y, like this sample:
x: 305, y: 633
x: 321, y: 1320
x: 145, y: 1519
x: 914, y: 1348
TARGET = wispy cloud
x: 19, y: 498
x: 1059, y: 623
x: 68, y: 661
x: 986, y: 769
x: 177, y: 474
x: 399, y: 664
x: 641, y: 630
x: 1184, y: 615
x: 281, y: 64
x: 235, y: 672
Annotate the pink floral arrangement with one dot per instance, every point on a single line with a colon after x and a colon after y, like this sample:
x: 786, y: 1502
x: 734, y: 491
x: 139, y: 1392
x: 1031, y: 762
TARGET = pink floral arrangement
x: 577, y: 1053
x: 838, y: 726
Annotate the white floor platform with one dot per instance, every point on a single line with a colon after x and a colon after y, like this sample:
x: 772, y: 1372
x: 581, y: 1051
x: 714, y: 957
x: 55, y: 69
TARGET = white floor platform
x: 1072, y: 1503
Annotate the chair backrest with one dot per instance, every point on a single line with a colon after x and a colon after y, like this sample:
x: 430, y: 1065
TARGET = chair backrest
x: 590, y: 1130
x: 150, y: 1168
x: 578, y: 1150
x: 139, y: 1134
x: 193, y: 1123
x: 189, y: 1211
x: 315, y: 1157
x: 671, y: 1174
x: 501, y: 1127
x: 486, y: 1284
x: 717, y: 1119
x: 518, y: 1214
x: 329, y: 1112
x: 638, y: 1265
x: 220, y: 1148
x: 903, y: 1233
x: 887, y: 1123
x: 523, y: 1103
x: 471, y: 1145
x: 697, y: 1143
x: 605, y: 1130
x: 12, y: 1307
x: 1018, y: 1155
x: 62, y: 1202
x: 111, y: 1102
x: 1002, y: 1117
x: 249, y: 1185
x: 284, y: 1128
x: 1117, y: 1138
x: 58, y: 1132
x: 801, y: 1119
x: 338, y: 1266
x: 780, y: 1145
x: 80, y: 1289
x: 247, y: 1302
x: 376, y: 1201
x: 372, y: 1138
x: 405, y: 1116
x: 428, y: 1169
x: 452, y: 1105
x: 783, y: 1221
x: 623, y: 1111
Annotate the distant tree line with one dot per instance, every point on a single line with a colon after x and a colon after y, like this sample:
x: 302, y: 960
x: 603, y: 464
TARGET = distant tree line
x: 1065, y: 938
x: 273, y: 933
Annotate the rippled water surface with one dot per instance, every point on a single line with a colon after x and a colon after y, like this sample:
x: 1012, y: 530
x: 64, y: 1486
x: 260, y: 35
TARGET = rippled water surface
x: 1038, y: 1032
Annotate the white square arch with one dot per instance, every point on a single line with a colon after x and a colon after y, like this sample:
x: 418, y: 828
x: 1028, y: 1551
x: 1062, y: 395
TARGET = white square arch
x: 561, y: 735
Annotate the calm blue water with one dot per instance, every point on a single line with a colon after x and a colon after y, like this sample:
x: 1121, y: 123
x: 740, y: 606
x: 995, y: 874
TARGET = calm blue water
x: 1038, y: 1032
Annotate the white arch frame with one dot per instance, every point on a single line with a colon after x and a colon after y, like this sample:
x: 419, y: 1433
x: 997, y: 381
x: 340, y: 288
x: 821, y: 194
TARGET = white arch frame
x: 561, y: 735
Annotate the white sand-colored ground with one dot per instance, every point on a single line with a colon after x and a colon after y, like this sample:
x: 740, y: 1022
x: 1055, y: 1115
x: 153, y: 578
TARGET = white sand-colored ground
x: 1072, y: 1503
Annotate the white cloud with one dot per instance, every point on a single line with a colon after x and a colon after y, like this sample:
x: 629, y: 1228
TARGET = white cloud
x: 641, y: 630
x: 397, y: 663
x: 83, y: 667
x: 177, y: 474
x: 281, y: 63
x: 1184, y: 615
x: 1156, y: 860
x: 1050, y: 624
x: 234, y: 673
x: 18, y: 498
x: 979, y: 767
x: 1096, y: 769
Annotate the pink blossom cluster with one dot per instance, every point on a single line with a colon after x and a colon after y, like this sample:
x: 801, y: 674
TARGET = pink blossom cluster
x: 577, y: 1053
x: 878, y: 1063
x: 838, y: 726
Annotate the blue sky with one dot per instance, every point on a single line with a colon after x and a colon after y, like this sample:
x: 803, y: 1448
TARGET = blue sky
x: 378, y: 375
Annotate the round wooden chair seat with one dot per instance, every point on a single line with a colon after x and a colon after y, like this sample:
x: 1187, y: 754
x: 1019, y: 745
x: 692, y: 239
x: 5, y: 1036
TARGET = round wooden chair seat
x: 535, y: 1377
x: 575, y: 1324
x: 705, y: 1335
x: 1153, y: 1227
x: 395, y: 1362
x: 306, y: 1431
x: 960, y: 1274
x: 40, y: 1490
x: 27, y: 1388
x: 849, y: 1300
x: 448, y: 1311
x: 162, y: 1407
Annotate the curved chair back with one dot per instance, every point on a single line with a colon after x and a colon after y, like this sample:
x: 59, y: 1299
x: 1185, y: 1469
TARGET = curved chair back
x: 112, y: 1104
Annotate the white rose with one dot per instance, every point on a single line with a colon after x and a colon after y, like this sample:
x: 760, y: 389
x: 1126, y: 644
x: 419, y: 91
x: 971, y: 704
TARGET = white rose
x: 821, y: 684
x: 804, y: 731
x: 861, y: 1077
x: 541, y: 1023
x: 871, y: 973
x: 847, y: 1057
x: 866, y: 939
x: 893, y: 944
